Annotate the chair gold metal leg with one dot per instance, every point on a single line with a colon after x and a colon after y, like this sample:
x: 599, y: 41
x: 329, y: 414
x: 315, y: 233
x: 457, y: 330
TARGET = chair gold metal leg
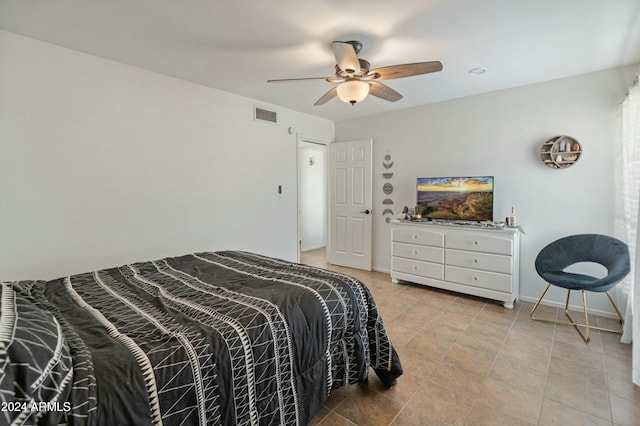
x: 589, y: 326
x: 566, y: 305
x: 586, y: 316
x: 616, y: 308
x: 586, y: 336
x: 575, y: 325
x: 538, y: 303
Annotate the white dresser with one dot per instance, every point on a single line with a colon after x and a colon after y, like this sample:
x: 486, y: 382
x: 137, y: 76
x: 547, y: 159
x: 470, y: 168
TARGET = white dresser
x: 468, y: 259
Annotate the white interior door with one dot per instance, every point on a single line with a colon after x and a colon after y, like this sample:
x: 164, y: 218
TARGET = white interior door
x: 350, y: 203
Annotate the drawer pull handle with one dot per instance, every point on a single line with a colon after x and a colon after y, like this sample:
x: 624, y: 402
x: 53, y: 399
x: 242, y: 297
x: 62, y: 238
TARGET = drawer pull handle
x: 415, y: 236
x: 475, y: 260
x: 415, y: 252
x: 475, y: 243
x: 415, y: 268
x: 475, y: 278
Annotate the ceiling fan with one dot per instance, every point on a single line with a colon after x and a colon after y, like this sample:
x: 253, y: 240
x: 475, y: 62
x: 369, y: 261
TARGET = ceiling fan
x: 357, y: 80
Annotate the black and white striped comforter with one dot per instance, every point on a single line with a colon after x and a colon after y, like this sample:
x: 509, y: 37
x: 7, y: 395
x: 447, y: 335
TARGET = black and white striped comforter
x: 209, y: 338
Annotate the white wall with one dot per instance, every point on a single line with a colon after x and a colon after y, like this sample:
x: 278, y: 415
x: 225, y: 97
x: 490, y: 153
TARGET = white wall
x: 500, y: 134
x: 312, y: 196
x: 102, y: 164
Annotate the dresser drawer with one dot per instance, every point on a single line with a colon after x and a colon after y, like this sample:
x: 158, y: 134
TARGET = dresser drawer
x: 416, y: 267
x: 483, y: 261
x: 418, y: 236
x: 418, y: 252
x: 480, y: 279
x: 479, y: 242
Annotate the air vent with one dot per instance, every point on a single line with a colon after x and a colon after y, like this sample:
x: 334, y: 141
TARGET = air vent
x: 265, y: 115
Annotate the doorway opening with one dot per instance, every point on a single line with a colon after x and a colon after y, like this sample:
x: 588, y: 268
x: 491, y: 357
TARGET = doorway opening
x: 312, y: 195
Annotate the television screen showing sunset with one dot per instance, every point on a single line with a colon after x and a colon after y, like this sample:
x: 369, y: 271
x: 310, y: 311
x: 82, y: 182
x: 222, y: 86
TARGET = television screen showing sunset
x: 456, y: 198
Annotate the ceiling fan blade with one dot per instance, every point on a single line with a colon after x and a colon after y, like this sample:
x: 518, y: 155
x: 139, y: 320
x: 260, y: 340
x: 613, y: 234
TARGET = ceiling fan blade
x: 327, y: 97
x: 289, y: 80
x: 346, y: 57
x: 383, y: 92
x: 405, y: 70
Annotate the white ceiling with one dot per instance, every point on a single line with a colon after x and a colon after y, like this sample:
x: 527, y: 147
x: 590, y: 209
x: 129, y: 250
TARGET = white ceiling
x: 236, y: 45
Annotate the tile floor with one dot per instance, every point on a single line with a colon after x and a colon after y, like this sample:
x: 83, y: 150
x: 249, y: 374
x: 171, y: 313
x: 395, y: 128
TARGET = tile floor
x: 469, y: 361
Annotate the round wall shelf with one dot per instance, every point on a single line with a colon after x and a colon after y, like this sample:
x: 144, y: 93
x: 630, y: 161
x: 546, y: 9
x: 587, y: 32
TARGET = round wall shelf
x: 560, y: 152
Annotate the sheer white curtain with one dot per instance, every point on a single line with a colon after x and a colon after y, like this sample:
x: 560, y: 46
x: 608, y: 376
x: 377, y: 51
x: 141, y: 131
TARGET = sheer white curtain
x: 627, y: 207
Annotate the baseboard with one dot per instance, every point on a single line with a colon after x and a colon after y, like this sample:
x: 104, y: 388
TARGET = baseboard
x: 311, y: 248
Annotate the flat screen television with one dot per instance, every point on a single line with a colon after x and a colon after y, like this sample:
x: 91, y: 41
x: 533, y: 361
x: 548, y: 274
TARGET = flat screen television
x: 456, y: 198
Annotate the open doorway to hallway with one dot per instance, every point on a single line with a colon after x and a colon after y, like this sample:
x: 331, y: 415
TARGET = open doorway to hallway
x: 316, y: 257
x: 312, y: 198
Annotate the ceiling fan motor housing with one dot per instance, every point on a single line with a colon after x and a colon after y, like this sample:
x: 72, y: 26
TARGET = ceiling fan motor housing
x: 357, y: 46
x: 364, y: 69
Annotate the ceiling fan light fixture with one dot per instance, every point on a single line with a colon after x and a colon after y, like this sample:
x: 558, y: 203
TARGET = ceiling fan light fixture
x: 352, y: 91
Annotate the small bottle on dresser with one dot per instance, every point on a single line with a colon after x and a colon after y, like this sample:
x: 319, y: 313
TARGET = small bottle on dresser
x: 512, y: 218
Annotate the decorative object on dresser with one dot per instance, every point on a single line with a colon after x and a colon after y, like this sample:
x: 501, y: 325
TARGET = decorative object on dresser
x: 476, y: 260
x: 560, y: 152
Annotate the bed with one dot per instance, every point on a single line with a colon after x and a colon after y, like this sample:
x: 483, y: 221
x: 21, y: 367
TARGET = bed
x: 203, y: 339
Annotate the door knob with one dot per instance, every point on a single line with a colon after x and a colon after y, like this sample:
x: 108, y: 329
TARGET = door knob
x: 366, y: 211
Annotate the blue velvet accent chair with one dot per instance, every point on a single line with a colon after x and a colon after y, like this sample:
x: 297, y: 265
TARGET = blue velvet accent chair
x: 553, y: 260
